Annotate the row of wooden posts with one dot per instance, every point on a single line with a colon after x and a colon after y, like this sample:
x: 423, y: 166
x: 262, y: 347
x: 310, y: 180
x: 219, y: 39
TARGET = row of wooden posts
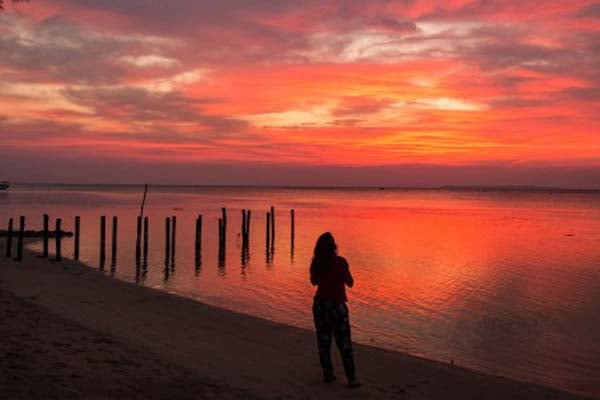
x: 141, y: 246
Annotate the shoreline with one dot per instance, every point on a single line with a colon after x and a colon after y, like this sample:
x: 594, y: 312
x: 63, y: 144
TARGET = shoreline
x: 237, y: 354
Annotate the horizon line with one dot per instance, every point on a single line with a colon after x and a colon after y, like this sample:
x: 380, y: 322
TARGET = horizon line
x: 502, y: 188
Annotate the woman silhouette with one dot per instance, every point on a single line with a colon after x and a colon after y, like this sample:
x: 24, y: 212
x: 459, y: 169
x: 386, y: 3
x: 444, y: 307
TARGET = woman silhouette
x: 331, y: 273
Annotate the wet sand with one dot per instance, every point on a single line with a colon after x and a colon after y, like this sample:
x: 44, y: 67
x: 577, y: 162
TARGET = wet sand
x: 67, y: 331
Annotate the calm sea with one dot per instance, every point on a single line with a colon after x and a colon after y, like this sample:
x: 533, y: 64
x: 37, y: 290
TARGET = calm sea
x: 503, y: 282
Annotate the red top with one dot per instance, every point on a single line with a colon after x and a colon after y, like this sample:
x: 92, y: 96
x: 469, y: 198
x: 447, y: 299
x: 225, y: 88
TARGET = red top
x: 331, y: 283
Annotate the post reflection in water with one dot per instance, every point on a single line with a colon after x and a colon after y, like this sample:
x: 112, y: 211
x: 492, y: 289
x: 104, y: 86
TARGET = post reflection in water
x: 197, y: 263
x: 245, y: 256
x: 138, y: 272
x: 166, y: 271
x: 221, y: 266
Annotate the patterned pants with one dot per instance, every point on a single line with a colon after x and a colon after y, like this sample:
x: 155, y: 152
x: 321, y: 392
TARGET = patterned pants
x: 331, y: 317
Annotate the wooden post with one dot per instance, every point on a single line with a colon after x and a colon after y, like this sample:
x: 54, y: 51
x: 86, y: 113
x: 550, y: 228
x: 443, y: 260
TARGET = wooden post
x: 272, y: 225
x: 102, y: 240
x: 173, y: 234
x: 138, y: 240
x: 268, y: 228
x: 243, y: 228
x: 77, y: 237
x: 248, y: 228
x: 243, y: 221
x: 220, y: 233
x: 9, y: 238
x: 198, y: 248
x: 146, y: 226
x: 224, y: 212
x: 198, y: 237
x: 292, y: 226
x: 20, y: 238
x: 58, y: 239
x: 46, y: 234
x: 115, y: 225
x: 144, y: 200
x: 167, y: 239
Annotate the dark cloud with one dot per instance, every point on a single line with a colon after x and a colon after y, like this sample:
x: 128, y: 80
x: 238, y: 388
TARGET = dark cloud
x: 59, y: 50
x: 590, y: 11
x: 35, y: 131
x: 73, y: 168
x: 135, y: 104
x: 397, y: 25
x: 586, y: 94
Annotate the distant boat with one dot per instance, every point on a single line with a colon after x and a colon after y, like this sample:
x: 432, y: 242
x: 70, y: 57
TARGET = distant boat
x: 4, y: 185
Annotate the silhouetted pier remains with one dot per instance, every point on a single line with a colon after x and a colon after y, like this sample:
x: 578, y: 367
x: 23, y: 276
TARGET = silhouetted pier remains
x: 58, y: 240
x: 102, y: 241
x: 292, y: 230
x: 245, y: 234
x: 113, y: 248
x: 77, y: 238
x: 272, y: 226
x: 142, y: 245
x: 167, y: 241
x: 146, y: 227
x: 138, y: 240
x: 173, y: 239
x: 198, y: 242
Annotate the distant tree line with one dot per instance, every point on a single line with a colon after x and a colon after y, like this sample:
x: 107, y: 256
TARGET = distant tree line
x: 14, y: 1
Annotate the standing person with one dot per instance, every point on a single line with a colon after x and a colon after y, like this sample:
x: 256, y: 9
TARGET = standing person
x: 330, y: 273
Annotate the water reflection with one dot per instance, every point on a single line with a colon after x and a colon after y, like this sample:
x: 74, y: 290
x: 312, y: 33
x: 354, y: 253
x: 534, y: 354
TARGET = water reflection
x: 102, y: 261
x: 221, y: 265
x: 503, y: 284
x: 166, y: 271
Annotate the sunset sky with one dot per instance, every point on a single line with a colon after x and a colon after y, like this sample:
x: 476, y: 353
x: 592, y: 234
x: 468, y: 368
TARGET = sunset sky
x: 417, y: 93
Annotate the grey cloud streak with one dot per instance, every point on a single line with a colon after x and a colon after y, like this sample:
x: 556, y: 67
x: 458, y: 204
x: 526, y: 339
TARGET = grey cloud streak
x: 59, y: 50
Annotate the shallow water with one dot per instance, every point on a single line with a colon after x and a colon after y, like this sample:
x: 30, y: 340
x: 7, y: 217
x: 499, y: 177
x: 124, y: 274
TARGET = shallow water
x: 502, y: 282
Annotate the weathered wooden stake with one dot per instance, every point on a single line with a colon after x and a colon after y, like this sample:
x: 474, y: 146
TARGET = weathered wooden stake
x: 20, y: 238
x: 244, y: 227
x: 58, y: 239
x: 146, y: 226
x: 243, y: 224
x: 77, y: 236
x: 248, y: 228
x: 138, y: 240
x: 143, y: 200
x: 167, y: 239
x: 115, y: 224
x: 268, y: 228
x: 224, y: 212
x: 173, y: 234
x: 292, y: 225
x: 102, y: 240
x: 9, y: 238
x: 198, y: 243
x: 220, y: 233
x: 46, y: 235
x: 272, y: 225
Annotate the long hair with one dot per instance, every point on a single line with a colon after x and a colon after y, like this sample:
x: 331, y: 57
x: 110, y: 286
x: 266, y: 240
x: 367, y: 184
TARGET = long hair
x: 325, y: 249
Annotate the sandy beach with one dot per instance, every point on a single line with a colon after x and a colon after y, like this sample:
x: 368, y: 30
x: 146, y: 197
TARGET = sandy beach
x: 69, y: 332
